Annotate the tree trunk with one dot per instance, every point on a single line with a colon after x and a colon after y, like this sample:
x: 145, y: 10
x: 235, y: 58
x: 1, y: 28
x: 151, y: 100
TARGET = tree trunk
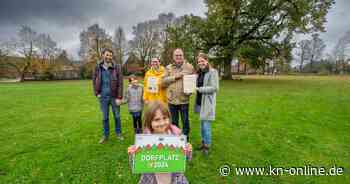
x: 311, y: 67
x: 227, y: 70
x: 238, y: 66
x: 22, y: 73
x: 343, y: 66
x: 263, y: 68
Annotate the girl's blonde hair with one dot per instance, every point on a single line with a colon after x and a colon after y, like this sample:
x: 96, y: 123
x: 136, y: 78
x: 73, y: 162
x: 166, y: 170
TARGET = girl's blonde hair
x: 150, y: 112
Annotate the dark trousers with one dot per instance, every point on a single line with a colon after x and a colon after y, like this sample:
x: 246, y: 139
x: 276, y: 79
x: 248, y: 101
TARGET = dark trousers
x: 183, y: 110
x: 136, y: 117
x: 105, y: 103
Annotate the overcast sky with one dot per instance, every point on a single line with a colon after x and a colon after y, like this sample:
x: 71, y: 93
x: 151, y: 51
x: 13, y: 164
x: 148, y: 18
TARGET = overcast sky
x: 65, y: 19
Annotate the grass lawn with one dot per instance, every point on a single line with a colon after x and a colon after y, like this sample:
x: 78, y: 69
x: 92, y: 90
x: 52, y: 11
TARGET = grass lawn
x: 49, y: 132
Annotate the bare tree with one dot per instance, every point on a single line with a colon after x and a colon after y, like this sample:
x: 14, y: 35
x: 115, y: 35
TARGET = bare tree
x: 151, y: 37
x: 317, y: 48
x: 4, y: 51
x: 47, y: 48
x: 304, y: 52
x: 339, y: 52
x: 164, y: 21
x: 32, y: 47
x: 24, y: 46
x: 120, y: 44
x: 146, y: 41
x: 92, y: 41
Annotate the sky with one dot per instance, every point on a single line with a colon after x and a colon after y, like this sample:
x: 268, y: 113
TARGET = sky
x: 337, y: 24
x: 65, y: 19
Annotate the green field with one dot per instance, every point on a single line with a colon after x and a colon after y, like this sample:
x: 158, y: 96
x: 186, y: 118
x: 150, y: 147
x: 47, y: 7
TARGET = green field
x: 49, y: 132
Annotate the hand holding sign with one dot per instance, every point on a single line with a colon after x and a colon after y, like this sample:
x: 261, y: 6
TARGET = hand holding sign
x: 132, y: 149
x: 159, y: 153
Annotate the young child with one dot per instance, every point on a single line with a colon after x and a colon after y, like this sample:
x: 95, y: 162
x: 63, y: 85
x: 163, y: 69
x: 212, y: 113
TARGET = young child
x: 157, y: 121
x: 134, y: 98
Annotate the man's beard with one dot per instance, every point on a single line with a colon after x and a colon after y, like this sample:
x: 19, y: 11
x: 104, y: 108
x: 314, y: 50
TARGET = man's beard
x: 108, y: 60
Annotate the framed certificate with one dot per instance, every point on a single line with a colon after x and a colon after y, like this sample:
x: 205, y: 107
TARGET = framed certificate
x: 159, y: 153
x: 189, y: 83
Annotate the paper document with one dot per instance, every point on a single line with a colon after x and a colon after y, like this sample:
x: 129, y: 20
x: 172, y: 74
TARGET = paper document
x: 189, y: 83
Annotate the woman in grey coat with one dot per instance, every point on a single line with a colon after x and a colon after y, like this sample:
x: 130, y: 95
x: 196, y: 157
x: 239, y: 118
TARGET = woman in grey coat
x: 207, y: 87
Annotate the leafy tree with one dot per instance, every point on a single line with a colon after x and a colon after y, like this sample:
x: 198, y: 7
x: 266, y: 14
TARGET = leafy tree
x: 184, y: 35
x: 232, y: 24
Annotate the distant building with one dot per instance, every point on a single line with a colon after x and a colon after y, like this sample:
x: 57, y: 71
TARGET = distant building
x: 239, y: 66
x: 57, y: 69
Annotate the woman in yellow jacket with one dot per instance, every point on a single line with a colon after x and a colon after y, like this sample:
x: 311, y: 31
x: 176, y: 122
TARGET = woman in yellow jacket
x: 153, y: 89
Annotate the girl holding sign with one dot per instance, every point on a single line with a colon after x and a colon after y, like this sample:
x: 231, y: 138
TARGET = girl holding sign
x: 157, y: 121
x: 152, y: 87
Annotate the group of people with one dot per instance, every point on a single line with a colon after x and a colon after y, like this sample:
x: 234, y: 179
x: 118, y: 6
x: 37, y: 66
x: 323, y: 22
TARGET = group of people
x: 164, y: 98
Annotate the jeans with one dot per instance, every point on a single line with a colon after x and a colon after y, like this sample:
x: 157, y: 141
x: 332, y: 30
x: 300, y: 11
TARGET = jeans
x: 105, y: 102
x: 206, y: 132
x: 183, y: 109
x: 136, y: 117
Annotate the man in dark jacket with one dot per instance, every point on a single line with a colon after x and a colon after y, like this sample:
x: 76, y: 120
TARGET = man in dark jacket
x: 108, y: 88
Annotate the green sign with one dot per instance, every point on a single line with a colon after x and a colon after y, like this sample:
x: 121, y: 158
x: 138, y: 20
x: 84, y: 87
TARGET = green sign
x: 159, y: 154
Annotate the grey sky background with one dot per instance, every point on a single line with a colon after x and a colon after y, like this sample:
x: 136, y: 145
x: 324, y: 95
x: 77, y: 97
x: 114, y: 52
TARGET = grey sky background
x: 65, y: 19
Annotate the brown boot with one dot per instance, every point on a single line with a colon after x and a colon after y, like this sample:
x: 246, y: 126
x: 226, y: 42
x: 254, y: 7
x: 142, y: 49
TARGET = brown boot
x: 200, y: 148
x: 205, y: 150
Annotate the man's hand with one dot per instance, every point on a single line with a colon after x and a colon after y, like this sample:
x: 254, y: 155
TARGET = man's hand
x: 98, y: 96
x: 178, y: 76
x: 118, y: 101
